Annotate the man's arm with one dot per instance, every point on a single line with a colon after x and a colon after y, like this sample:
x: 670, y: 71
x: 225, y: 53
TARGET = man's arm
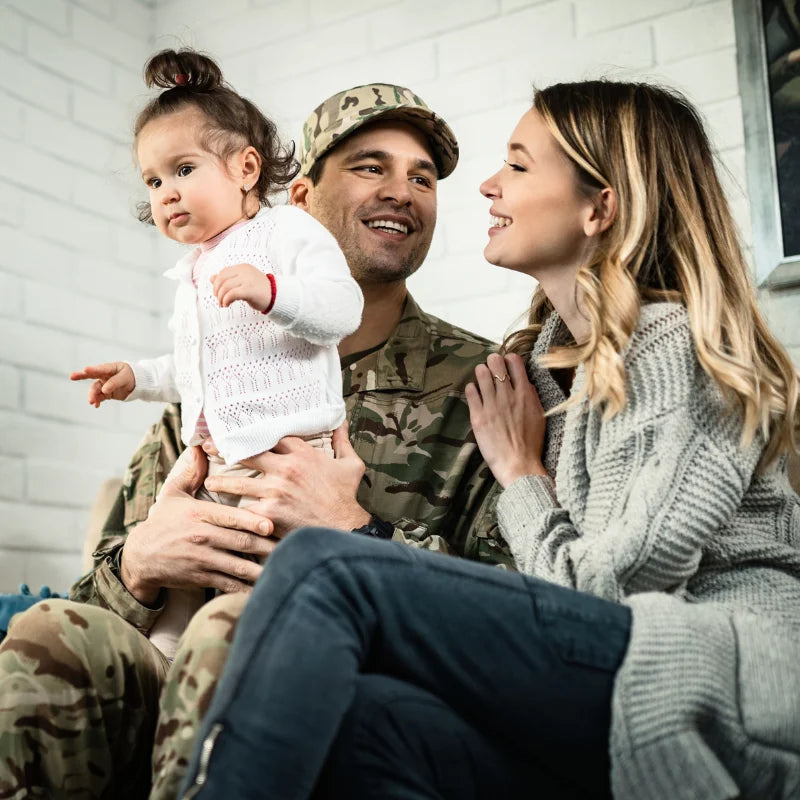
x: 149, y: 466
x: 182, y: 542
x: 301, y: 486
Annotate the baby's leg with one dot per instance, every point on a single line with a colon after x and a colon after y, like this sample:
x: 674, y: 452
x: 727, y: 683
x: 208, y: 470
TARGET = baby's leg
x: 216, y: 466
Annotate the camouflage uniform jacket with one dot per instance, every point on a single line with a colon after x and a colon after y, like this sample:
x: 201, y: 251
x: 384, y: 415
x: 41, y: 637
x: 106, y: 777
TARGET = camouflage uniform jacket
x: 409, y: 423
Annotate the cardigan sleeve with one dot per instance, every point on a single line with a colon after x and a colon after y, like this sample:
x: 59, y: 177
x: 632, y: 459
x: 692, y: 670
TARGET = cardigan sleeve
x: 316, y: 298
x: 155, y: 380
x: 657, y: 482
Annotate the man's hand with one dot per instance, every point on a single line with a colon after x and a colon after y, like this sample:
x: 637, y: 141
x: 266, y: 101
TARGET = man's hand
x: 187, y: 543
x: 303, y: 486
x: 242, y: 282
x: 113, y: 381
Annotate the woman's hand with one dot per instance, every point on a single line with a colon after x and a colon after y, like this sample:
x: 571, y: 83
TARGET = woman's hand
x: 507, y: 418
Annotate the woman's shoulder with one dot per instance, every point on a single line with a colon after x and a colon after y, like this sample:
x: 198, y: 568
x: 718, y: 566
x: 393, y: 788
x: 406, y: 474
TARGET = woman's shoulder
x: 660, y: 360
x: 660, y: 325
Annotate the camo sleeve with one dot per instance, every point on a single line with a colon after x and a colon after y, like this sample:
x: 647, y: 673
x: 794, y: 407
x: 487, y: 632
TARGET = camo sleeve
x: 148, y: 468
x: 409, y: 423
x: 470, y: 530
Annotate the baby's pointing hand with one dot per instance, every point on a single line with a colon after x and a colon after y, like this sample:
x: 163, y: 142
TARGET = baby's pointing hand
x: 112, y: 381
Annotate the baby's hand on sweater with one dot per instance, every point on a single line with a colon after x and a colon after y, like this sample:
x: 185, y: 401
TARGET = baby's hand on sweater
x: 243, y: 282
x: 113, y: 381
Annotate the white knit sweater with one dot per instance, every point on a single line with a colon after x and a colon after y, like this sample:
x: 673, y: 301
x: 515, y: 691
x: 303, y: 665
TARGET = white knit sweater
x: 258, y: 377
x: 661, y: 509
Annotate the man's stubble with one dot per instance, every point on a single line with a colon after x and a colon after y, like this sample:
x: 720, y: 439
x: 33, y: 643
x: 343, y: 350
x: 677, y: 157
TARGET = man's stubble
x: 370, y: 262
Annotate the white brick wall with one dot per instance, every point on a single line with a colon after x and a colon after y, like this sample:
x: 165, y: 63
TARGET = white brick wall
x: 67, y: 74
x: 80, y: 278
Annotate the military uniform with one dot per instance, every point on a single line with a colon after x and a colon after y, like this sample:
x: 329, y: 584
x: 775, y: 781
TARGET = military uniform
x: 409, y: 423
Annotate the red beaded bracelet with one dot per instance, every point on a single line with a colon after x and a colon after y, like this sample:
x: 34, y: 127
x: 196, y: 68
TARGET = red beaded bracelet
x: 274, y: 287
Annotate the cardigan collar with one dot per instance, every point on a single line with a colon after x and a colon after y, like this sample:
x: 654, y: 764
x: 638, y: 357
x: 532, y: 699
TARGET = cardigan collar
x: 183, y: 268
x: 553, y: 334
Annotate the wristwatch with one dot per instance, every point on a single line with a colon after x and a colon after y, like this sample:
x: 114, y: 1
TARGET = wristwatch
x: 377, y: 528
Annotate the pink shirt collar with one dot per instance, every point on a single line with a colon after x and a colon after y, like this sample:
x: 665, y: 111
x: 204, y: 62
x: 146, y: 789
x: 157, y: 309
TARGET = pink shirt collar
x: 211, y: 243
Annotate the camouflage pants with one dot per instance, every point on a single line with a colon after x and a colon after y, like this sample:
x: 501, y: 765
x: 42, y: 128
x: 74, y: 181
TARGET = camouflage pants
x: 190, y: 685
x: 79, y: 700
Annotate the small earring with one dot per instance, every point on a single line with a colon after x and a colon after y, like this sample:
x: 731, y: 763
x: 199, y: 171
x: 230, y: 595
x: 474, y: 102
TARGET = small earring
x: 246, y: 188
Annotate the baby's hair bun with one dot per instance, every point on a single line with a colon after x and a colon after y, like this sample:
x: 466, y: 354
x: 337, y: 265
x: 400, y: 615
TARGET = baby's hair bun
x: 184, y: 68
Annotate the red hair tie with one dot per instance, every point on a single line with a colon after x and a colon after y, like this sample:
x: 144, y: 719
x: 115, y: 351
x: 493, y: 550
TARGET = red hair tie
x: 181, y: 79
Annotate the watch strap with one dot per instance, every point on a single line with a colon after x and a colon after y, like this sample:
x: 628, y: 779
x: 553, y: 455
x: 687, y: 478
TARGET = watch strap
x: 377, y: 528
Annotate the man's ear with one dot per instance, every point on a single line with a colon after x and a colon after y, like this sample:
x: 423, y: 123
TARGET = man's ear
x: 299, y: 193
x: 250, y: 166
x: 603, y: 212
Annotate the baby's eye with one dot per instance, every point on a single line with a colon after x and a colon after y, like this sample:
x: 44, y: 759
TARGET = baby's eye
x: 154, y: 183
x: 184, y: 170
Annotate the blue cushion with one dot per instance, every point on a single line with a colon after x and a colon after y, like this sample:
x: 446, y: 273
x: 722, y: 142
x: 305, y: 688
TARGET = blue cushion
x: 11, y: 604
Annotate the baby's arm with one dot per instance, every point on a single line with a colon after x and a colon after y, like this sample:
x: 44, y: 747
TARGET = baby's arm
x: 112, y: 381
x: 316, y: 297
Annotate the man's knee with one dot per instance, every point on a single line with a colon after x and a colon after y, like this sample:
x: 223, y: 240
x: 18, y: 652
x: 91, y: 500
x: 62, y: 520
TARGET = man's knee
x: 209, y: 635
x: 52, y: 633
x: 189, y: 688
x: 199, y: 661
x: 42, y: 616
x: 80, y: 689
x: 80, y: 645
x: 216, y: 619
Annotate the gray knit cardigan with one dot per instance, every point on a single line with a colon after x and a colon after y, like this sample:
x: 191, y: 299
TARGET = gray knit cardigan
x: 661, y: 509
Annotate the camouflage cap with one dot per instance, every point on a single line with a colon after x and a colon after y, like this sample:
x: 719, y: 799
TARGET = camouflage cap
x: 345, y: 112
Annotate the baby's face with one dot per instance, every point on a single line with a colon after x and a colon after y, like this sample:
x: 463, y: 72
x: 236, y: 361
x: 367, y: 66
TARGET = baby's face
x: 194, y: 195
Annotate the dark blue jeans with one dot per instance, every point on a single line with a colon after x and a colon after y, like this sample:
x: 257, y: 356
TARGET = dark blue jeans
x: 342, y: 630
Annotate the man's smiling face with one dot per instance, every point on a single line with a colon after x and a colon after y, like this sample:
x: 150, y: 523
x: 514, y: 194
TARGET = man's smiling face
x: 377, y: 196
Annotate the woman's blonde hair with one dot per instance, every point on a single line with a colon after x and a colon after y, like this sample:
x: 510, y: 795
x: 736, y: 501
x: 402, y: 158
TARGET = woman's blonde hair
x: 673, y: 238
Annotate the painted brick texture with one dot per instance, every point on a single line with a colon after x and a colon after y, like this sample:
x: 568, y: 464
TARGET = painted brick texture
x: 69, y: 270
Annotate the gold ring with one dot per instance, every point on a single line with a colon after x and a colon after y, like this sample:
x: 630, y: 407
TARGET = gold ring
x: 499, y: 379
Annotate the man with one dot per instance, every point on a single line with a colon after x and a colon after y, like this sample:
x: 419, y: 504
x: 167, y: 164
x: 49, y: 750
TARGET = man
x: 370, y: 161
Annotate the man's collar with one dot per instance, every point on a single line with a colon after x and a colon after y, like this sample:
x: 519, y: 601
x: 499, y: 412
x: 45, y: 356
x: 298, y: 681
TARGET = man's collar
x: 400, y: 363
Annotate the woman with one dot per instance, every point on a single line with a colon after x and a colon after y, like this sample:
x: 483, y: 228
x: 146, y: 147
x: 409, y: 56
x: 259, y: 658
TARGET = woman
x: 672, y: 671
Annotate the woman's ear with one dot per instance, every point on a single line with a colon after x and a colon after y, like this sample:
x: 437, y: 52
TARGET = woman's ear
x: 603, y: 213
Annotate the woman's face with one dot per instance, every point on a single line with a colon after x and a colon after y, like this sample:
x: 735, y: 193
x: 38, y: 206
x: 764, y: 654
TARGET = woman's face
x: 539, y: 219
